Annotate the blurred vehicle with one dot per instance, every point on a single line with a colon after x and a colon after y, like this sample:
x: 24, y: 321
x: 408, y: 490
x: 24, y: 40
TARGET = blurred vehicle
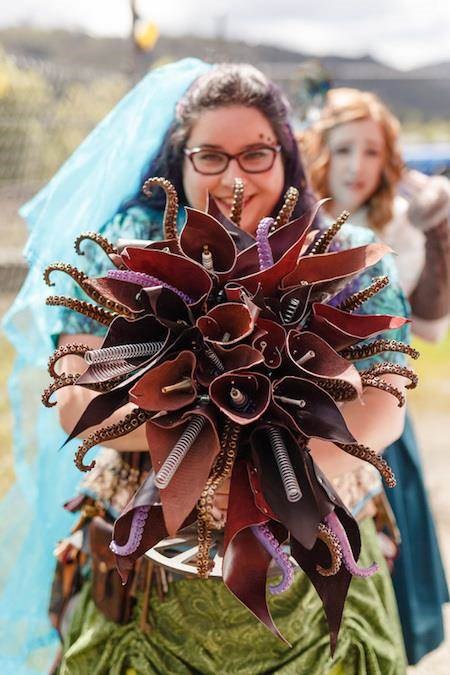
x: 429, y: 158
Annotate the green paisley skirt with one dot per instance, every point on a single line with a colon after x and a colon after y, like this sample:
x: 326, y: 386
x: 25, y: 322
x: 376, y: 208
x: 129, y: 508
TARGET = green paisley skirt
x: 201, y: 628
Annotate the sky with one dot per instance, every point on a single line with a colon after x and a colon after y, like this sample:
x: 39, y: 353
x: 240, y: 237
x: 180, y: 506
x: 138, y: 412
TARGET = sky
x: 402, y: 33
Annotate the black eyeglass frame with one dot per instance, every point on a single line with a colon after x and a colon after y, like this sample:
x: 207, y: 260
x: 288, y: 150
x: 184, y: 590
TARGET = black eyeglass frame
x: 191, y: 152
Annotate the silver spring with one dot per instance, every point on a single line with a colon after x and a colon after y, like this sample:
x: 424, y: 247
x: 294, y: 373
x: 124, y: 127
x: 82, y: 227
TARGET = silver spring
x: 291, y: 310
x: 179, y: 451
x: 120, y: 352
x: 214, y: 359
x: 106, y: 371
x: 241, y: 401
x: 288, y: 477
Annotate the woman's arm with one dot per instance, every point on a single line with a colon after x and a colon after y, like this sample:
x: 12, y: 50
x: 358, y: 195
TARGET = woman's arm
x: 73, y: 400
x: 428, y: 211
x: 375, y: 421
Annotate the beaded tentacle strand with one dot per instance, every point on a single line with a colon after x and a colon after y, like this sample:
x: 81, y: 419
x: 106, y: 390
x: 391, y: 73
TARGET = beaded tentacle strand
x: 171, y: 209
x: 368, y: 455
x: 221, y: 470
x: 238, y: 201
x: 101, y: 241
x: 328, y: 537
x: 289, y: 204
x: 323, y: 242
x: 265, y: 256
x: 379, y: 383
x: 140, y: 516
x: 146, y: 281
x: 338, y: 389
x: 270, y: 543
x: 72, y: 349
x: 99, y: 314
x: 179, y: 451
x: 60, y: 381
x: 356, y: 300
x: 389, y: 368
x: 76, y: 274
x: 348, y: 559
x: 288, y: 477
x: 125, y: 426
x: 358, y: 352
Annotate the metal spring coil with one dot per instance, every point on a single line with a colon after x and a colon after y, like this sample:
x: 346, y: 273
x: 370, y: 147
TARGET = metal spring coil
x: 288, y: 477
x: 290, y: 310
x: 179, y: 451
x: 214, y: 359
x: 119, y: 352
x: 106, y: 371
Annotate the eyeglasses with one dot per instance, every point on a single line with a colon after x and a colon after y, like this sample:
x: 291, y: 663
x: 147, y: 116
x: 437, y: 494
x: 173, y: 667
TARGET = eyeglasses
x: 211, y: 162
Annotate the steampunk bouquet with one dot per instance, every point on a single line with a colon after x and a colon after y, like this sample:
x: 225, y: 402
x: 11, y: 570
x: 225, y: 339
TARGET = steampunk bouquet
x: 234, y: 358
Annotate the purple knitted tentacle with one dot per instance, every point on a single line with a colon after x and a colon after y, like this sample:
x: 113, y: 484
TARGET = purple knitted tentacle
x: 270, y: 543
x: 146, y: 280
x: 136, y: 531
x: 262, y: 243
x: 336, y: 526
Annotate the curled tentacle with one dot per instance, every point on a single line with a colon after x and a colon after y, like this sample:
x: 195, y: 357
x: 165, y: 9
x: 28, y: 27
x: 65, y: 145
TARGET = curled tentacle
x: 357, y: 352
x: 325, y: 239
x: 171, y: 210
x: 238, y: 201
x: 262, y: 243
x: 325, y: 534
x: 76, y: 274
x: 81, y: 278
x: 61, y: 381
x: 379, y: 383
x: 104, y: 244
x: 348, y: 559
x: 71, y: 349
x: 221, y: 470
x: 368, y: 455
x: 270, y: 543
x: 357, y: 299
x: 88, y: 309
x: 289, y: 204
x: 145, y: 280
x: 140, y: 516
x: 338, y: 389
x: 129, y: 423
x: 391, y: 368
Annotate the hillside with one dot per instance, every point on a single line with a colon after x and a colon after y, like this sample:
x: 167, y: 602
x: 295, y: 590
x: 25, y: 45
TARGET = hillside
x: 422, y: 93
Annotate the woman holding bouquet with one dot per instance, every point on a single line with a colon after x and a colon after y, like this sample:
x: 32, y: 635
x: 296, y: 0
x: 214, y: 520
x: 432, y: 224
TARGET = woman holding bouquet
x: 202, y: 128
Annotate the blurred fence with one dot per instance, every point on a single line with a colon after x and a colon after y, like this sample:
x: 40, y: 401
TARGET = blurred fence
x: 46, y: 110
x: 44, y: 114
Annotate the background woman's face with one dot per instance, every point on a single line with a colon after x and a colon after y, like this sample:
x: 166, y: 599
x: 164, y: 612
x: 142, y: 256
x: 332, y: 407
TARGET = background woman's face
x: 233, y: 129
x: 357, y: 155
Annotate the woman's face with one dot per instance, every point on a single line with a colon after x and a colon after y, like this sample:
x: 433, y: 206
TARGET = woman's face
x: 234, y: 129
x: 357, y: 155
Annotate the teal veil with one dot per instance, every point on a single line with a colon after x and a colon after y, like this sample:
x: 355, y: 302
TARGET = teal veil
x: 85, y: 193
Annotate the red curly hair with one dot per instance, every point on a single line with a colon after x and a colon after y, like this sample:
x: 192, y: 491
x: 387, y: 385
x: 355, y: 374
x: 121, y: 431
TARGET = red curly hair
x: 348, y: 105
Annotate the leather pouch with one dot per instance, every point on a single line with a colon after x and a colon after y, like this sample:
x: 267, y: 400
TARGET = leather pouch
x: 112, y: 598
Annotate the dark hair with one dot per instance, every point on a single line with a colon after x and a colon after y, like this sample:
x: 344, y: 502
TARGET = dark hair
x: 224, y: 85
